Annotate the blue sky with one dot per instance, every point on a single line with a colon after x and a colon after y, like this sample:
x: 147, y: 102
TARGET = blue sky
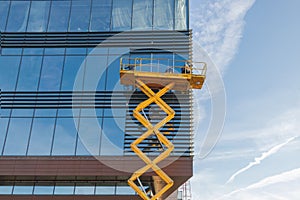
x: 256, y: 46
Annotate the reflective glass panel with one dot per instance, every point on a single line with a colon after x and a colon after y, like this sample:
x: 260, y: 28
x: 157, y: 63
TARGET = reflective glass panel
x: 85, y: 190
x: 38, y: 18
x: 124, y: 190
x: 101, y: 14
x: 42, y: 190
x: 41, y: 136
x: 112, y: 137
x: 6, y: 189
x: 80, y: 15
x: 94, y: 71
x: 17, y: 138
x: 3, y: 127
x: 4, y: 5
x: 121, y: 15
x: 9, y: 66
x: 65, y: 137
x: 59, y: 16
x: 60, y: 189
x: 22, y: 189
x: 105, y: 190
x: 181, y: 15
x: 89, y: 135
x: 29, y: 73
x: 51, y: 73
x: 142, y: 14
x: 71, y: 67
x: 18, y: 15
x: 163, y: 14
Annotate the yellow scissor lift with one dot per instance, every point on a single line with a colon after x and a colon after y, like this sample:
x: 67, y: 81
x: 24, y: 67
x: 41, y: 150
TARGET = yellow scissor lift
x: 148, y: 74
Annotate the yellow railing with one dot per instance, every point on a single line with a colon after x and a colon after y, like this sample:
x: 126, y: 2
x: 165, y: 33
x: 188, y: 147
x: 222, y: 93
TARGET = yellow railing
x: 163, y: 65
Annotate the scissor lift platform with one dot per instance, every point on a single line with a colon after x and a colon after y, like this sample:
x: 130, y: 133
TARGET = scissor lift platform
x: 150, y: 75
x: 155, y: 77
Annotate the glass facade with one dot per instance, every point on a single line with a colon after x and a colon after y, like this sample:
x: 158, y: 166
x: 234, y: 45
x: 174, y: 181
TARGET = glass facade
x: 95, y: 15
x: 46, y: 101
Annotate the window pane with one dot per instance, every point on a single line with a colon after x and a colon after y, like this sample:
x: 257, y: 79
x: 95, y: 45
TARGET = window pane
x: 59, y: 189
x: 85, y: 190
x: 41, y: 136
x: 38, y: 18
x: 18, y: 15
x: 142, y: 14
x: 92, y: 79
x: 163, y: 14
x: 29, y: 73
x: 3, y: 14
x: 180, y: 15
x: 80, y: 15
x: 6, y: 189
x: 3, y: 127
x: 121, y: 15
x: 125, y: 190
x: 9, y: 66
x: 112, y: 136
x: 51, y: 73
x: 65, y: 137
x: 89, y: 135
x: 20, y: 189
x: 59, y: 16
x: 104, y: 190
x: 42, y: 190
x: 101, y: 14
x: 71, y: 67
x: 18, y: 128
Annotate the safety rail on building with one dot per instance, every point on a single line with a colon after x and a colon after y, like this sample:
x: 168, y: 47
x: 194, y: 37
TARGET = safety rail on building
x: 185, y: 74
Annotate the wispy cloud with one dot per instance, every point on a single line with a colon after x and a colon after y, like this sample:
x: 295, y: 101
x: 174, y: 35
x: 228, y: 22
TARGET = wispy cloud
x: 284, y: 177
x: 218, y: 27
x: 258, y: 160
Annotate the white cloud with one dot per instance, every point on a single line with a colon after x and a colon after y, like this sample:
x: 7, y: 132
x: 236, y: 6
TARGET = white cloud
x: 218, y: 27
x: 291, y: 177
x: 258, y: 160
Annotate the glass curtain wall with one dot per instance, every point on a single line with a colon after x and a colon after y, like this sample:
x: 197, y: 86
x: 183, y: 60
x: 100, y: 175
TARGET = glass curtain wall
x: 92, y: 15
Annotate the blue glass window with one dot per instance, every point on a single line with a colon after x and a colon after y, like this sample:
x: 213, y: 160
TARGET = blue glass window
x: 112, y: 137
x: 51, y: 73
x: 18, y: 15
x: 4, y: 5
x: 9, y: 66
x: 65, y: 137
x: 41, y: 136
x: 29, y: 73
x: 4, y: 189
x: 181, y: 15
x: 43, y: 190
x: 121, y: 15
x: 22, y: 189
x: 18, y: 128
x: 142, y: 14
x: 80, y: 15
x: 95, y: 73
x: 3, y: 127
x: 63, y: 190
x: 105, y: 190
x: 59, y: 16
x: 163, y: 14
x: 123, y: 190
x: 38, y: 18
x: 101, y: 14
x: 89, y: 135
x: 71, y: 67
x: 85, y: 190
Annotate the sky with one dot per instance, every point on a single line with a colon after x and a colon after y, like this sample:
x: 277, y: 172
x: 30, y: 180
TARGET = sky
x: 256, y: 47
